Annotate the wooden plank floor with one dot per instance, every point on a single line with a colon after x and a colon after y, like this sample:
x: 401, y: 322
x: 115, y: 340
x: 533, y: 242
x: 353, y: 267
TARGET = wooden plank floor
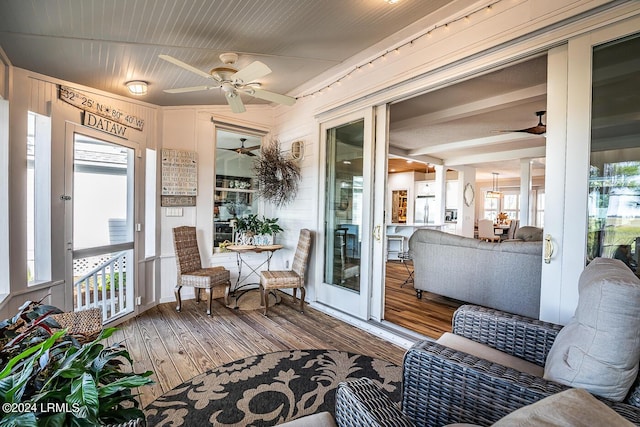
x: 429, y: 316
x: 179, y: 346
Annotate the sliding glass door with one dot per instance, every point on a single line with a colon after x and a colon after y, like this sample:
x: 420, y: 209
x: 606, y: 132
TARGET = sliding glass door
x: 346, y: 254
x: 593, y: 210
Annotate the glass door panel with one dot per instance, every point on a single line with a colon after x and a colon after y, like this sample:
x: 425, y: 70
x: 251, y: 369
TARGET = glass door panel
x: 343, y: 210
x: 614, y: 172
x: 347, y: 188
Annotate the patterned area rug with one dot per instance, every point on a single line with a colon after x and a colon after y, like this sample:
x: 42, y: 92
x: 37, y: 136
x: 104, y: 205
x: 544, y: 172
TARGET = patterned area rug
x: 268, y: 389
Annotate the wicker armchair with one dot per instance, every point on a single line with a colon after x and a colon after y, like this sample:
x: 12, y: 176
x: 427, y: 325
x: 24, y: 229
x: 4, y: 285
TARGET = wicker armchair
x: 216, y: 280
x: 271, y: 280
x: 443, y: 386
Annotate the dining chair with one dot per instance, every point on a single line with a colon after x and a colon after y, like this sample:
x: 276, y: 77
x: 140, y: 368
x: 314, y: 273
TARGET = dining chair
x: 486, y: 231
x: 216, y: 280
x: 288, y: 279
x: 513, y: 227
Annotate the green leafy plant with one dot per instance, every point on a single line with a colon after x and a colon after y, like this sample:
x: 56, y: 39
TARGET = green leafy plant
x: 249, y: 224
x: 270, y: 226
x: 50, y: 379
x: 253, y: 224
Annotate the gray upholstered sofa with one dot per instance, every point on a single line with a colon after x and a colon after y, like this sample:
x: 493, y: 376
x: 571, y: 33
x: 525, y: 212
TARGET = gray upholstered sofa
x: 504, y: 276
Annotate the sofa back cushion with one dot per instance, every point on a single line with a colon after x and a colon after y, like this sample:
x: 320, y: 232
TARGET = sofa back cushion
x: 529, y: 233
x: 599, y: 348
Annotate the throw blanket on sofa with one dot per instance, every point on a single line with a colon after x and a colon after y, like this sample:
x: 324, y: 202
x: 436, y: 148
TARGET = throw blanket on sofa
x: 505, y: 276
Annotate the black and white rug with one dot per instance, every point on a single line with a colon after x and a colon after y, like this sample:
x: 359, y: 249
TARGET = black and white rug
x: 269, y: 389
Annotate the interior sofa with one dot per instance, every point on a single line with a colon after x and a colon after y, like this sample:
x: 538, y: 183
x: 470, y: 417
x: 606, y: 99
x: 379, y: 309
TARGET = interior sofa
x: 504, y: 276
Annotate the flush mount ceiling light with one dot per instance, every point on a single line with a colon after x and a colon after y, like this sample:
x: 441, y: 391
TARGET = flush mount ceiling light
x: 392, y: 1
x: 494, y: 193
x: 137, y: 87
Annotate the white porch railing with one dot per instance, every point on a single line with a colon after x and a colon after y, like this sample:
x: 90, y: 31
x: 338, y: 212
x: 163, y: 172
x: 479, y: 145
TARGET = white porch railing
x: 105, y: 286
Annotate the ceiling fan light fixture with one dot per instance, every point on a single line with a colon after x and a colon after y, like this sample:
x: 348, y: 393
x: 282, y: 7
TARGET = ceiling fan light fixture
x: 137, y: 87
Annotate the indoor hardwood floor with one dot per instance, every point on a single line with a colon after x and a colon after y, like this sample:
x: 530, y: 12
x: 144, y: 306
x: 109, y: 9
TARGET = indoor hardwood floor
x: 429, y: 316
x: 178, y: 346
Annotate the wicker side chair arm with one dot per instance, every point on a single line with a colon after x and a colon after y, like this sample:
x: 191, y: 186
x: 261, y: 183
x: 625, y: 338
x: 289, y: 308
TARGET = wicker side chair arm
x: 461, y: 388
x: 362, y: 403
x: 519, y: 336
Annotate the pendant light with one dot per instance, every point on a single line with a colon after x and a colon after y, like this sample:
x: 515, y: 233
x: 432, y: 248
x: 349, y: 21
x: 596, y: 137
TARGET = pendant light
x: 494, y: 193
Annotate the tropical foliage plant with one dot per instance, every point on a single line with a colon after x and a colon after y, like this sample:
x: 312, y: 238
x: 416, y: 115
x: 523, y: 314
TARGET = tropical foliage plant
x: 49, y: 379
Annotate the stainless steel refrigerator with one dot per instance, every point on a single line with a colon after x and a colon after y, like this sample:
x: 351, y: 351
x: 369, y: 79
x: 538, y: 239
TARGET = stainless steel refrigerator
x: 425, y: 210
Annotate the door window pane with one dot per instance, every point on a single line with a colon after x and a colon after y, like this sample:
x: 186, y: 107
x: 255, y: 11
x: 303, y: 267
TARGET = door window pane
x: 343, y: 212
x: 102, y: 200
x: 614, y: 176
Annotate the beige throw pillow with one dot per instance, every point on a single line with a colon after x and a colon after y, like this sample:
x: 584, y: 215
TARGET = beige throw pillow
x: 570, y: 408
x: 599, y: 349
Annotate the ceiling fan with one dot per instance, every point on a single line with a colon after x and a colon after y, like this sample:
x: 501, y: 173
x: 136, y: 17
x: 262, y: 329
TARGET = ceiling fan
x: 232, y: 81
x: 538, y: 129
x: 244, y: 150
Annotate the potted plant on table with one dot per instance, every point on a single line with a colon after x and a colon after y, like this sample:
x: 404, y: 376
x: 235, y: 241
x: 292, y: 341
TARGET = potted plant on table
x: 49, y: 378
x: 251, y: 230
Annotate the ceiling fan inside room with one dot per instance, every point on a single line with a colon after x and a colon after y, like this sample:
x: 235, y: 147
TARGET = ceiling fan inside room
x: 232, y: 81
x: 244, y: 150
x: 538, y: 129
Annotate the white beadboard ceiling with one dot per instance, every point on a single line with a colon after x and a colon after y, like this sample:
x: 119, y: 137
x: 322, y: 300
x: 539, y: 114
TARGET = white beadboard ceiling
x: 104, y: 43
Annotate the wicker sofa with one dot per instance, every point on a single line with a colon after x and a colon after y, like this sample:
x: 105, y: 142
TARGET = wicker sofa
x: 442, y: 385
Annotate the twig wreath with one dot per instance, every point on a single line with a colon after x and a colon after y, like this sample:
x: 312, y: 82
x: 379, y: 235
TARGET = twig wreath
x: 277, y: 175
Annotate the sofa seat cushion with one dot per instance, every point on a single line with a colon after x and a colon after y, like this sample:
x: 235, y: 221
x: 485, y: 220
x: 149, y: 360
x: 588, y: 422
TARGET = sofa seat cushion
x: 570, y: 408
x: 483, y: 351
x: 599, y: 348
x: 321, y: 419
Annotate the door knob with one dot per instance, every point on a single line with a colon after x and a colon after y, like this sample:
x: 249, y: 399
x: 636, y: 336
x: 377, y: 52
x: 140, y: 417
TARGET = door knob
x: 548, y: 248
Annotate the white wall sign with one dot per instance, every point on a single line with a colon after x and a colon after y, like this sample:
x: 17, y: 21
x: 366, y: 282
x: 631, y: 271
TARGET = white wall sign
x: 179, y: 173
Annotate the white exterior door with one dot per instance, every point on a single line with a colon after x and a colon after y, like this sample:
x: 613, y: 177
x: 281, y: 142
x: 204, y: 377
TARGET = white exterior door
x: 593, y: 159
x: 346, y: 200
x: 99, y: 198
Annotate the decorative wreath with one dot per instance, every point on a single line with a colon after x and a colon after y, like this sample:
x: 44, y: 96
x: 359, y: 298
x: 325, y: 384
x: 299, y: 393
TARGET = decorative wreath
x: 278, y: 176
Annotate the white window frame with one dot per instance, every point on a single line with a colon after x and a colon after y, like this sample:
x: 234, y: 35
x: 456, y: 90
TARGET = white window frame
x: 42, y: 199
x: 4, y: 199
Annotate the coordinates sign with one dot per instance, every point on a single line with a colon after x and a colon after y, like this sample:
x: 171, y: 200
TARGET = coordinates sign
x: 86, y: 103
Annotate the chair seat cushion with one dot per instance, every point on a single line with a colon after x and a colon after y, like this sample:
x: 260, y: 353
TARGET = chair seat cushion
x: 485, y: 352
x: 206, y: 277
x: 280, y: 279
x: 573, y: 407
x: 599, y: 348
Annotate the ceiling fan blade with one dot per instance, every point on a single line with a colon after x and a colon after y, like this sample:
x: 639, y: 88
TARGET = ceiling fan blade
x: 236, y: 104
x: 272, y: 96
x: 185, y: 66
x: 251, y: 72
x: 189, y: 89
